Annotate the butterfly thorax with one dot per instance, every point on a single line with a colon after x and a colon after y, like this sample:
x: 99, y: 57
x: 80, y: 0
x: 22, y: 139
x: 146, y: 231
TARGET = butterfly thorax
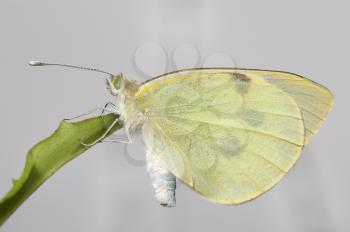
x: 126, y: 107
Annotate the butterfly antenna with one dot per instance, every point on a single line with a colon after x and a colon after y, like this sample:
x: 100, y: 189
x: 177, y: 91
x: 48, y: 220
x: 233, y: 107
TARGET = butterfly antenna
x: 39, y: 63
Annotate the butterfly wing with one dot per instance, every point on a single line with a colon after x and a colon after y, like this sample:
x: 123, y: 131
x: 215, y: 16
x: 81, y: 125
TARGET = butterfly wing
x: 228, y: 134
x: 313, y: 99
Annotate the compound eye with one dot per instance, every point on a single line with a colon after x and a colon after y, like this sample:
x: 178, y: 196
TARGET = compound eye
x: 117, y: 81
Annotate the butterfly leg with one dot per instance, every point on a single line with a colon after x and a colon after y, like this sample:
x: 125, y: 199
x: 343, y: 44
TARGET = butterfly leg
x: 163, y: 181
x: 129, y: 140
x: 103, y: 109
x: 115, y: 141
x: 127, y: 133
x: 101, y: 137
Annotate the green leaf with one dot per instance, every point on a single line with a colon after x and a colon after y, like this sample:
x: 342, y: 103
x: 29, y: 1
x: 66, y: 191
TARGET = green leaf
x: 49, y: 155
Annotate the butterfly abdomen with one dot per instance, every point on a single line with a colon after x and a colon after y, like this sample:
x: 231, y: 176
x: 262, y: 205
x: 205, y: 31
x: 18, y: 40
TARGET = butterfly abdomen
x: 163, y: 182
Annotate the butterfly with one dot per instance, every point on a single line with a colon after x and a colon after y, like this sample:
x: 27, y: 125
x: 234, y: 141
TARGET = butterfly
x: 229, y: 134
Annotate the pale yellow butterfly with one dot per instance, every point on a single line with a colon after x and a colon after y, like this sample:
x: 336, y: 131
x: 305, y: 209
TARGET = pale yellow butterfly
x: 229, y: 134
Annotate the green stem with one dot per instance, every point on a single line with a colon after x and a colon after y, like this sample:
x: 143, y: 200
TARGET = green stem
x: 49, y: 155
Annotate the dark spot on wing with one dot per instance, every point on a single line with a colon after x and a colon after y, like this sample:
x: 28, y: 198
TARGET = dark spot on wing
x: 231, y: 146
x: 242, y: 82
x: 241, y: 77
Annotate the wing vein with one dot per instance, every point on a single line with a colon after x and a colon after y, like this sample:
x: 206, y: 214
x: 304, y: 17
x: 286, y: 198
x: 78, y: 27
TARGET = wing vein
x: 248, y: 129
x: 267, y: 160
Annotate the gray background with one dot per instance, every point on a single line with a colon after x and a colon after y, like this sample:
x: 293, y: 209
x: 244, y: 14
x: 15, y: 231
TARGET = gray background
x: 103, y: 190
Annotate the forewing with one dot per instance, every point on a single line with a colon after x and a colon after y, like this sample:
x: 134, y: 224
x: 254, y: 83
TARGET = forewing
x: 313, y: 99
x: 228, y: 135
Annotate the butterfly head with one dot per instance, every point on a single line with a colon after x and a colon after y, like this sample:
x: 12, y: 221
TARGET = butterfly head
x: 115, y: 84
